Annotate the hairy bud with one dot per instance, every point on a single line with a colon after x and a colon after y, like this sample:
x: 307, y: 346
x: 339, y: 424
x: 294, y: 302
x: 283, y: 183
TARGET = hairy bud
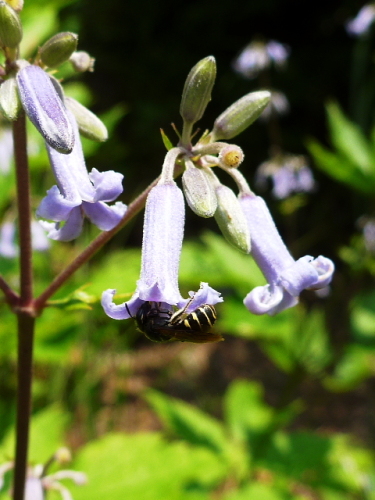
x: 197, y: 90
x: 82, y: 61
x: 58, y: 49
x: 240, y: 115
x: 90, y: 126
x: 10, y: 103
x: 10, y: 26
x: 199, y: 192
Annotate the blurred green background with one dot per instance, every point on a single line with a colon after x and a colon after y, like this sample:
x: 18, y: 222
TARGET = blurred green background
x: 284, y: 408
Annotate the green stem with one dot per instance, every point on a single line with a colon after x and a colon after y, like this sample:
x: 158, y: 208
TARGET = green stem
x: 25, y: 319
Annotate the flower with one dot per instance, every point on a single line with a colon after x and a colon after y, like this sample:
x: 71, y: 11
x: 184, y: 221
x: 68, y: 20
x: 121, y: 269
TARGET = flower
x: 286, y: 277
x: 78, y: 193
x: 45, y: 108
x: 278, y: 105
x: 258, y: 56
x: 360, y: 25
x: 37, y: 483
x: 161, y: 248
x: 289, y: 174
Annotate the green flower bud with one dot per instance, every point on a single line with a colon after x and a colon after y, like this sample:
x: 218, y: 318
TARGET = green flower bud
x: 10, y: 26
x: 89, y: 124
x: 240, y: 115
x: 82, y: 61
x: 199, y: 191
x: 10, y: 103
x: 58, y: 49
x: 231, y: 219
x: 197, y: 90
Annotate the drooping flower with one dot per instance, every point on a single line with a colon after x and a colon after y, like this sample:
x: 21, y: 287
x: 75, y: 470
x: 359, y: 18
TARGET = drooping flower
x: 277, y: 106
x: 361, y: 23
x: 8, y: 245
x: 286, y: 277
x: 161, y: 248
x: 289, y: 174
x: 258, y: 55
x: 79, y: 193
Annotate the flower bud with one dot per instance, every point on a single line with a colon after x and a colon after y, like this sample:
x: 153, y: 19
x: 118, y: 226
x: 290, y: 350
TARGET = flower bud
x: 10, y: 103
x: 240, y: 115
x: 58, y: 49
x: 10, y: 26
x: 90, y: 126
x: 17, y: 5
x: 231, y: 219
x: 199, y: 192
x: 82, y: 61
x: 197, y: 90
x: 231, y: 156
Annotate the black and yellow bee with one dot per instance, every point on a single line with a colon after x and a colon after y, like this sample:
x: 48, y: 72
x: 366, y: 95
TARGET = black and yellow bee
x: 162, y: 325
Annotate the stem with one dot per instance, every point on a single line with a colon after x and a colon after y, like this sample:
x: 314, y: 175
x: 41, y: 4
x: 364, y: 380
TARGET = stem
x: 134, y: 207
x: 24, y: 379
x: 25, y: 319
x: 11, y: 296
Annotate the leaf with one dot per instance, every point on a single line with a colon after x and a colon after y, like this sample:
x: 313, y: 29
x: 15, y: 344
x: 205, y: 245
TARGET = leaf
x: 147, y: 467
x: 348, y: 139
x: 166, y: 141
x: 188, y: 422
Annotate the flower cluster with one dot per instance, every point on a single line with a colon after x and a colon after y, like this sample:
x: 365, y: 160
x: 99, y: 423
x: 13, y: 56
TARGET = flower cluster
x: 244, y: 220
x: 258, y: 56
x: 289, y: 174
x: 61, y: 120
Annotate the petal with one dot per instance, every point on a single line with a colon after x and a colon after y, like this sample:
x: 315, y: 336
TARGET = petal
x: 104, y: 216
x: 301, y: 275
x: 269, y: 300
x: 34, y: 489
x: 267, y: 247
x: 162, y: 242
x: 325, y: 269
x: 55, y: 207
x: 205, y: 295
x: 108, y: 185
x: 69, y: 231
x: 38, y: 237
x: 45, y: 108
x: 125, y: 310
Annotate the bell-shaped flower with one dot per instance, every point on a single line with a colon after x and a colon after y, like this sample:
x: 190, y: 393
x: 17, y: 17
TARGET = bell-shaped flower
x: 161, y: 248
x: 78, y: 193
x: 286, y: 277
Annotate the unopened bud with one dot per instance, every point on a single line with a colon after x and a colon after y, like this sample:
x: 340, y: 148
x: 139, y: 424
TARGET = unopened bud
x: 89, y: 124
x: 63, y: 455
x: 82, y: 61
x: 10, y: 26
x: 58, y: 49
x: 240, y: 115
x: 10, y: 103
x: 17, y: 5
x: 197, y: 90
x: 231, y: 219
x: 231, y: 156
x: 199, y: 191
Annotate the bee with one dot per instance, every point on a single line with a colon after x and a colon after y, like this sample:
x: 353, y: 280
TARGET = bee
x: 162, y: 325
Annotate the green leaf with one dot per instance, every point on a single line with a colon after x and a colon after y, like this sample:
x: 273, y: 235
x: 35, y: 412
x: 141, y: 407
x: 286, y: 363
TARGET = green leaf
x: 46, y: 435
x: 350, y: 141
x: 145, y: 466
x: 340, y: 168
x: 166, y: 141
x: 188, y: 422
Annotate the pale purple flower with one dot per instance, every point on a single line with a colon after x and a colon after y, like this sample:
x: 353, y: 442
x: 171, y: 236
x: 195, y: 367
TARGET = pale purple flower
x: 369, y: 235
x: 79, y: 193
x: 361, y: 24
x: 286, y: 277
x: 258, y: 56
x: 278, y: 105
x: 45, y: 108
x: 289, y: 174
x: 161, y: 248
